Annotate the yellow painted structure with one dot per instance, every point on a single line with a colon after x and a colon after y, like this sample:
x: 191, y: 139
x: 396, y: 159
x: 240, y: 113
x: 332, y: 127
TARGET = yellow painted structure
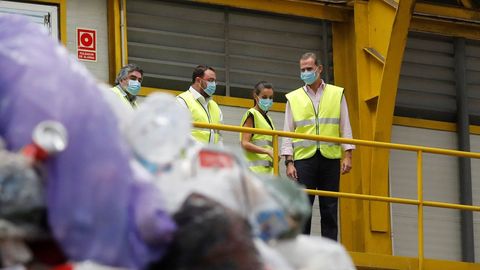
x: 365, y: 260
x: 369, y: 39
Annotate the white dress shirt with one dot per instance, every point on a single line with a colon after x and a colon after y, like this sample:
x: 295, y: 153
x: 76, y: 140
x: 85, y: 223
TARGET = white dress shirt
x: 204, y: 102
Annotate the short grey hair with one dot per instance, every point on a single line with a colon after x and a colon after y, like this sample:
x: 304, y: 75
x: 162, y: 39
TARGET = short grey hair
x: 312, y: 55
x: 123, y: 74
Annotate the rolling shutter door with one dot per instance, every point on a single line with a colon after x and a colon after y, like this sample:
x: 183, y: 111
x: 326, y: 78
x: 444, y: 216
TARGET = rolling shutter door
x: 169, y: 39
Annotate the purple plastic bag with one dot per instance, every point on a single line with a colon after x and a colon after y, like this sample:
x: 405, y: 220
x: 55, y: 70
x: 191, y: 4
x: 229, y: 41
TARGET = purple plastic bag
x: 96, y: 209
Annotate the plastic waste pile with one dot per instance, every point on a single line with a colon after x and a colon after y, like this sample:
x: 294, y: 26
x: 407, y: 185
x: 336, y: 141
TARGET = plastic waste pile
x: 130, y: 191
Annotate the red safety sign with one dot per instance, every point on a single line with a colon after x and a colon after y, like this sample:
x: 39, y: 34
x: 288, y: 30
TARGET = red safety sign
x: 87, y: 44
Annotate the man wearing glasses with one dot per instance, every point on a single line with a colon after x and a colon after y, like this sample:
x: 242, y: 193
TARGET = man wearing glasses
x: 198, y: 99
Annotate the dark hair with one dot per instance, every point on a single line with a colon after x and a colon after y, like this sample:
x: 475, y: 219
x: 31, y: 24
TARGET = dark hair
x: 199, y: 71
x: 258, y: 88
x: 123, y: 73
x: 308, y: 55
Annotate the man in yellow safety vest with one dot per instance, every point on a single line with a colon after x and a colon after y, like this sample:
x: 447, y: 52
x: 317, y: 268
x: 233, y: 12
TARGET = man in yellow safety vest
x: 128, y: 84
x: 198, y: 99
x: 317, y: 108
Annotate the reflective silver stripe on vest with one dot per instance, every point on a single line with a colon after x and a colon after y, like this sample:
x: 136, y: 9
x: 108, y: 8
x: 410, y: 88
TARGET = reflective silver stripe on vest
x: 310, y: 143
x: 264, y: 163
x: 329, y: 120
x: 303, y: 123
x: 262, y: 143
x: 310, y: 122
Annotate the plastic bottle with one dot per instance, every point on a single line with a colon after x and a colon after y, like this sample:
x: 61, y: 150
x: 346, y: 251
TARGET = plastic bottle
x: 159, y: 130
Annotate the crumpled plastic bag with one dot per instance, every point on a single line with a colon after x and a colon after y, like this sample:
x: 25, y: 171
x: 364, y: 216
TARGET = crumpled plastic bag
x: 293, y: 200
x: 314, y: 253
x: 210, y: 236
x: 21, y: 189
x: 272, y: 260
x: 92, y: 195
x: 221, y: 175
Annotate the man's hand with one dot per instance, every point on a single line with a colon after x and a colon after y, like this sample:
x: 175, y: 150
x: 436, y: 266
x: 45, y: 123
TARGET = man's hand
x: 346, y: 165
x: 291, y: 171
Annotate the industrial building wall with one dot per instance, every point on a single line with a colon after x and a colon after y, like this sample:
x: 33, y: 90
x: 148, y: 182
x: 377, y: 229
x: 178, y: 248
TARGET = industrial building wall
x: 475, y: 147
x: 89, y: 14
x: 428, y: 90
x: 440, y: 175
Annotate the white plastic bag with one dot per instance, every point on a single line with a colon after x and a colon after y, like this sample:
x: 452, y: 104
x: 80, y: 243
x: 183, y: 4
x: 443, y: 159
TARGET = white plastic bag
x: 314, y: 253
x: 221, y: 175
x: 271, y: 259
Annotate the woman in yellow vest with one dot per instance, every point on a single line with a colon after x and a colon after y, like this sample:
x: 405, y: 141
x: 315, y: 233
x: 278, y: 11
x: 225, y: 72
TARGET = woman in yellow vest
x: 259, y: 148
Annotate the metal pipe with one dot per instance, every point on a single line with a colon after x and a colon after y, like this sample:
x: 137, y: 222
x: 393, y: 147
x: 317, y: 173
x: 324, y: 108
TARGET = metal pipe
x: 463, y: 133
x: 420, y: 211
x: 390, y: 199
x: 339, y: 140
x: 275, y: 154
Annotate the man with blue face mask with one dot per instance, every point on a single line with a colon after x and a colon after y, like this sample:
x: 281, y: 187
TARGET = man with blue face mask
x: 317, y: 108
x: 198, y: 99
x: 128, y: 84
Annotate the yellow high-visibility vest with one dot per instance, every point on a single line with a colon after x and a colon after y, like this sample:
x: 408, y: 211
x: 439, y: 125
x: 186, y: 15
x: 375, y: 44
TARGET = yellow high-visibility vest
x: 125, y: 100
x: 199, y: 114
x: 325, y: 122
x: 259, y: 163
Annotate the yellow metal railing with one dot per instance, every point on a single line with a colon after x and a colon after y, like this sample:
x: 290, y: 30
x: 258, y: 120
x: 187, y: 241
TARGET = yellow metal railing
x: 418, y: 149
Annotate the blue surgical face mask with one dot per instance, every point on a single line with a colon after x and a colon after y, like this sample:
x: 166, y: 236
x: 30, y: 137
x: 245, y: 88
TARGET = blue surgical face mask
x: 265, y: 104
x: 134, y: 87
x: 210, y: 89
x: 309, y: 77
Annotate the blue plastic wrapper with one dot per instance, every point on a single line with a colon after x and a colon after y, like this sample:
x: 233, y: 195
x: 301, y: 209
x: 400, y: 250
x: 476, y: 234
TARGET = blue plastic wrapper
x: 97, y: 210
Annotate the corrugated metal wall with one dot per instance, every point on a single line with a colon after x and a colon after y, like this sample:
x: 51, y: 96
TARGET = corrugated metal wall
x: 440, y: 173
x: 427, y: 90
x: 427, y: 82
x: 475, y: 147
x: 168, y: 39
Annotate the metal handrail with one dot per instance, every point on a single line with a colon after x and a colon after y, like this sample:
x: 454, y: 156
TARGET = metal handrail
x: 418, y: 149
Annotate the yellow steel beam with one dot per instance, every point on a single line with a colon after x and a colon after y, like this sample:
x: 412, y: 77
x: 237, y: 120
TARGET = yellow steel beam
x: 308, y: 9
x: 444, y: 27
x: 351, y: 211
x: 447, y: 12
x: 445, y: 20
x: 397, y: 38
x: 114, y: 39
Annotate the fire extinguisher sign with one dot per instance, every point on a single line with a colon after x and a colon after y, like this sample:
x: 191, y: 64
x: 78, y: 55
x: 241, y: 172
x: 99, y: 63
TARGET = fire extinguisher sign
x: 87, y: 44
